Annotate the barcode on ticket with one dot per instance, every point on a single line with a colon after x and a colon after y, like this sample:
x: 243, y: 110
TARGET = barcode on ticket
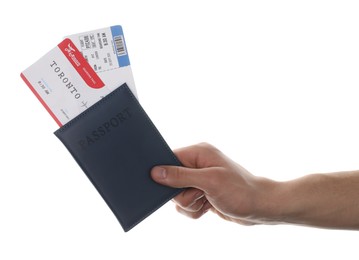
x: 120, y: 45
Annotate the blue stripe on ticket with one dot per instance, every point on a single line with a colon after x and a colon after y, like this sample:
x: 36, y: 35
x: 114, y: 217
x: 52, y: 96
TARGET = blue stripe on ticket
x: 120, y: 46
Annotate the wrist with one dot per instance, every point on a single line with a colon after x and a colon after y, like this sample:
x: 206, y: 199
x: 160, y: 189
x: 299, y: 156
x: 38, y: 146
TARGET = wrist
x: 289, y: 202
x: 271, y: 201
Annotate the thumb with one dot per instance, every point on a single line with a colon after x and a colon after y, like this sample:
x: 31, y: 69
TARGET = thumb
x: 179, y: 177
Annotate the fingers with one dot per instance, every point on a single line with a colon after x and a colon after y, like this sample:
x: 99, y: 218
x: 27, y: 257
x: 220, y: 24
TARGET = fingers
x: 190, y: 199
x: 180, y: 177
x: 200, y: 163
x: 192, y: 203
x: 195, y: 215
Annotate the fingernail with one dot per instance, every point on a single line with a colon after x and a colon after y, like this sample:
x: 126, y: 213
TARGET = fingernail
x: 159, y: 173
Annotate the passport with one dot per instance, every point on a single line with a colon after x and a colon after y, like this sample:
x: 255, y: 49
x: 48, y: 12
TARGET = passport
x: 116, y: 145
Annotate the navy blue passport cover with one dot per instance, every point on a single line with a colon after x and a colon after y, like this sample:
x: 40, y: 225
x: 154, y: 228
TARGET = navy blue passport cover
x: 116, y: 145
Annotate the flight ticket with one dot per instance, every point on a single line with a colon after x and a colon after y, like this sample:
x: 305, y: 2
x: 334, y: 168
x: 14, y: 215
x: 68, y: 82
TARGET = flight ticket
x: 79, y: 71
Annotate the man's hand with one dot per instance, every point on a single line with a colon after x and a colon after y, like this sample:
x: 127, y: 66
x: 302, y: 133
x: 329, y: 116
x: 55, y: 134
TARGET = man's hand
x: 215, y: 182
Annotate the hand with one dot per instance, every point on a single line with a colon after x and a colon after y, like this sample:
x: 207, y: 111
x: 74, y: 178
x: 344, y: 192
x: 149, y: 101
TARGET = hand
x: 214, y: 182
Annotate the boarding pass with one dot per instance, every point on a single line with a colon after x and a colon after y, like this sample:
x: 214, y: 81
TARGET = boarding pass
x: 79, y: 71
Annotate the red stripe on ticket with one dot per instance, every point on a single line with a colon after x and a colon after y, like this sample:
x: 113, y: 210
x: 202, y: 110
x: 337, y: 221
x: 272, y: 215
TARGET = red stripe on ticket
x: 40, y: 99
x: 80, y: 64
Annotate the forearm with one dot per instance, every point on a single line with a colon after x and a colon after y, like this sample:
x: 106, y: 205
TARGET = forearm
x: 320, y: 200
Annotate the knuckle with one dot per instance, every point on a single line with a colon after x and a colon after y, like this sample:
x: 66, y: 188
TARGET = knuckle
x: 185, y: 202
x: 177, y: 172
x: 205, y: 146
x: 189, y: 200
x: 193, y: 215
x: 209, y: 151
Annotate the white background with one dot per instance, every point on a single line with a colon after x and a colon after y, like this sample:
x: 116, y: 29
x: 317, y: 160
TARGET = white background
x: 273, y: 84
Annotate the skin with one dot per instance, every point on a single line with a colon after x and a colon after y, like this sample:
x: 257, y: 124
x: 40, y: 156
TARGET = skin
x: 216, y: 183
